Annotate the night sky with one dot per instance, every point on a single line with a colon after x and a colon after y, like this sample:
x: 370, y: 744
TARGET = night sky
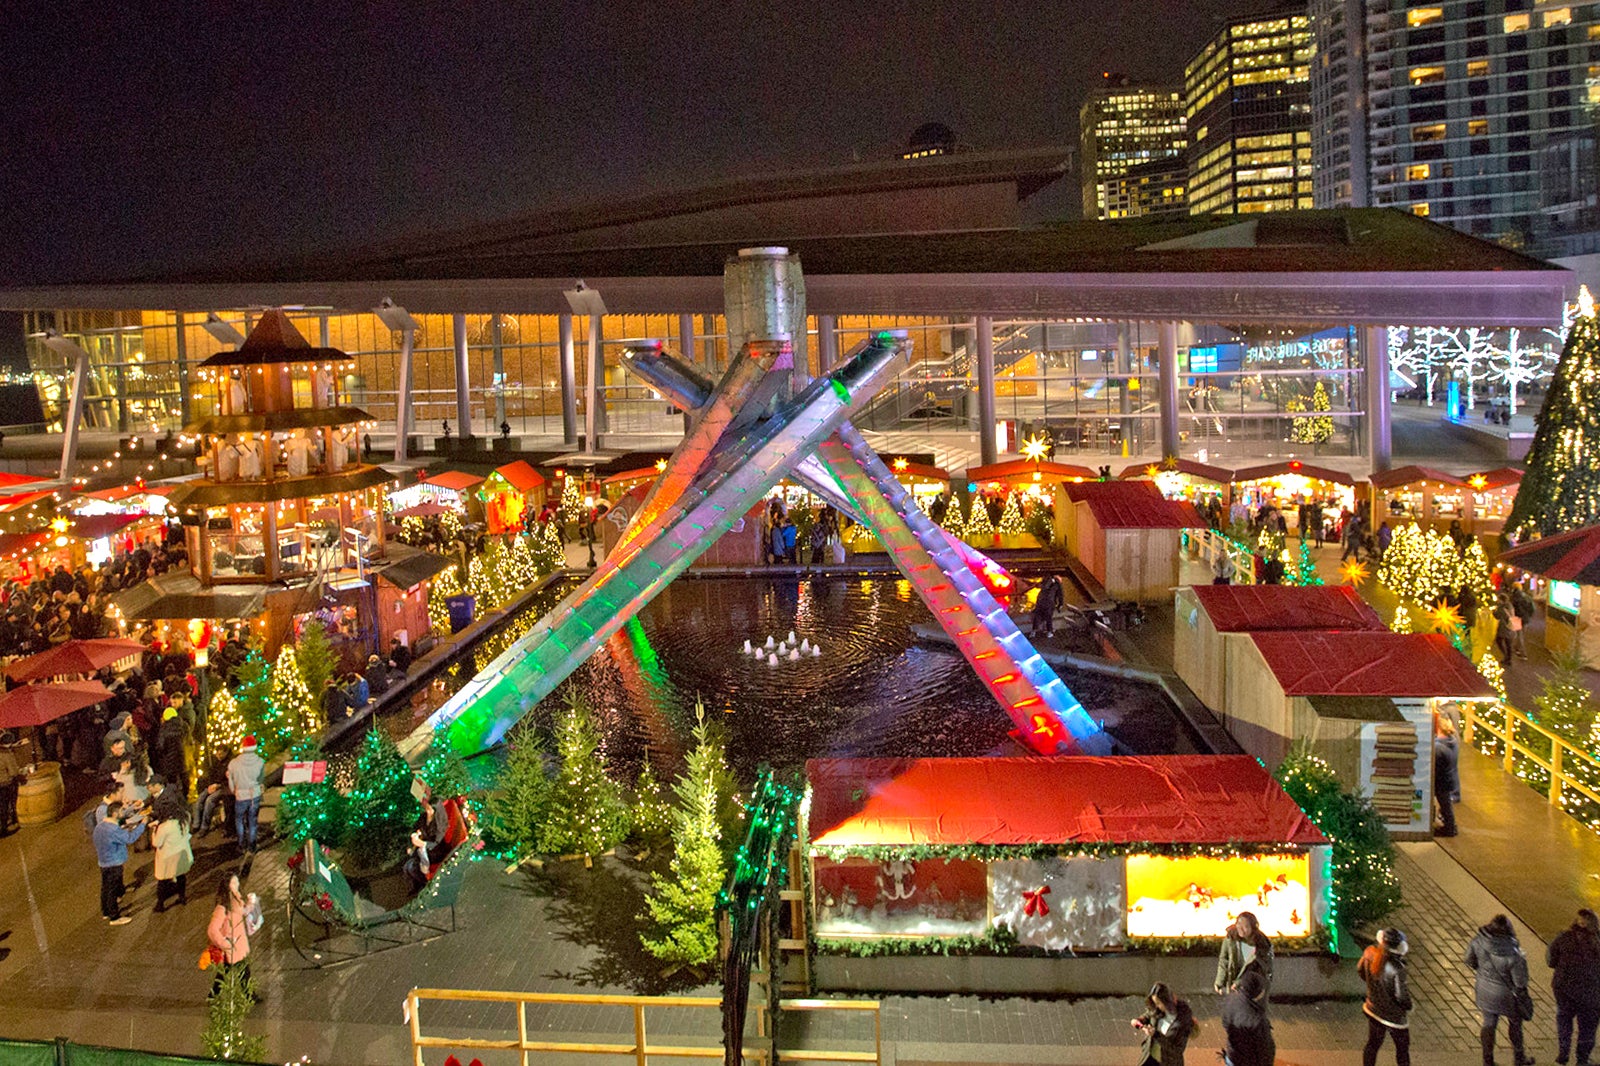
x: 137, y: 138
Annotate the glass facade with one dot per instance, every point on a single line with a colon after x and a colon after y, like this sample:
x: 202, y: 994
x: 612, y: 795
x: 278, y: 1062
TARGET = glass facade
x: 1247, y: 97
x: 1092, y: 385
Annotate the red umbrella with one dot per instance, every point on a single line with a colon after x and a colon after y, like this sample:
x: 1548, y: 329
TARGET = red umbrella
x: 425, y: 509
x: 38, y: 704
x: 74, y: 657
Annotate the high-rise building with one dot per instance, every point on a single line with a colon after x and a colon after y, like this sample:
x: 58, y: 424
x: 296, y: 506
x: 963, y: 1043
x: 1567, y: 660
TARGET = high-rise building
x: 1247, y: 96
x: 1339, y: 103
x: 1477, y: 113
x: 1149, y: 190
x: 1123, y: 126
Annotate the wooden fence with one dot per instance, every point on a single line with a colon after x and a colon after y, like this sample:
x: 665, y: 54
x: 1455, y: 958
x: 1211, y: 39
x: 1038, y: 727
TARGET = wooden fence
x: 1514, y: 737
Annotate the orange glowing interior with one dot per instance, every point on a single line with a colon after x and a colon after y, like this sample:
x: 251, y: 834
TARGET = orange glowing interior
x: 1200, y: 896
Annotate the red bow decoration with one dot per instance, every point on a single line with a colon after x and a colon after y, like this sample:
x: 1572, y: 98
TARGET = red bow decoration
x: 1034, y: 903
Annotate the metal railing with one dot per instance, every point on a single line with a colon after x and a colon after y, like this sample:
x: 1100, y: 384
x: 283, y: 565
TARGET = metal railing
x: 1561, y: 762
x: 641, y: 1048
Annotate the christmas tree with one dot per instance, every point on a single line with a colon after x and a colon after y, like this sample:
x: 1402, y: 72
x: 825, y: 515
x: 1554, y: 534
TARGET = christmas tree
x: 1473, y: 572
x: 1305, y: 568
x: 1564, y: 703
x: 1420, y: 565
x: 952, y: 522
x: 1317, y: 428
x: 446, y: 583
x: 230, y: 1004
x: 1364, y: 881
x: 979, y: 528
x: 683, y: 901
x: 444, y: 771
x: 224, y: 724
x: 314, y: 810
x: 252, y: 695
x: 522, y: 794
x: 549, y: 554
x: 652, y: 813
x: 295, y: 712
x: 587, y: 814
x: 1493, y: 672
x: 570, y: 510
x: 1561, y: 489
x: 1401, y: 623
x: 1011, y: 522
x: 380, y: 808
x: 317, y: 662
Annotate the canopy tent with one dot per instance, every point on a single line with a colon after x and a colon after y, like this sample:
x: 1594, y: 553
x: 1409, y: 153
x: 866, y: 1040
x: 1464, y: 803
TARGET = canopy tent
x: 74, y: 657
x: 38, y: 704
x: 425, y: 509
x: 1080, y: 799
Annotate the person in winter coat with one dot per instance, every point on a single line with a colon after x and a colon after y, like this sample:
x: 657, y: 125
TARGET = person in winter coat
x: 1388, y: 1004
x: 1167, y: 1025
x: 169, y: 761
x: 1574, y: 958
x: 228, y: 931
x: 245, y: 774
x: 1502, y: 977
x: 1246, y: 1025
x: 1245, y: 948
x: 111, y: 840
x: 1045, y: 606
x: 1446, y: 776
x: 173, y: 860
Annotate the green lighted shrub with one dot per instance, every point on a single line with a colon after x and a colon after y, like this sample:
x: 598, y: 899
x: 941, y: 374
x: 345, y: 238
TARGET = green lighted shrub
x: 1365, y: 887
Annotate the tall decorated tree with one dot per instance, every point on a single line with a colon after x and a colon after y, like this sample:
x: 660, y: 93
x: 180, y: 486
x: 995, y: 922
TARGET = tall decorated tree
x: 952, y: 522
x: 683, y: 901
x: 549, y: 555
x: 225, y: 725
x: 652, y: 810
x: 979, y: 527
x: 252, y: 695
x: 295, y: 709
x: 315, y: 655
x: 1565, y: 705
x: 1561, y: 489
x: 587, y: 814
x: 313, y: 810
x: 1011, y: 522
x: 224, y: 1037
x: 380, y: 809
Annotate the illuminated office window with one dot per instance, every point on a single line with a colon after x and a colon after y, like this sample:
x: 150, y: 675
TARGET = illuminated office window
x: 1478, y: 127
x: 1516, y: 23
x: 1417, y: 172
x: 1422, y: 16
x: 1434, y: 131
x: 1558, y: 16
x: 1420, y: 210
x: 1477, y: 68
x: 1426, y: 75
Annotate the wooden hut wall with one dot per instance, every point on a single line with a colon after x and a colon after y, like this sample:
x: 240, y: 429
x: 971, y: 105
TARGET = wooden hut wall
x: 1139, y: 564
x: 1256, y: 711
x: 1199, y: 652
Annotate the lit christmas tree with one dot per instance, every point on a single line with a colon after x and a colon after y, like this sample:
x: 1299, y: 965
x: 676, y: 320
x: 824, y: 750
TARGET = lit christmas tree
x: 1561, y: 489
x: 1401, y: 622
x: 1420, y: 565
x: 444, y: 771
x: 1011, y: 523
x: 652, y: 812
x: 314, y: 810
x: 683, y: 901
x: 295, y: 711
x: 522, y: 794
x: 1473, y: 571
x: 549, y: 553
x: 1564, y: 703
x: 1305, y: 568
x: 252, y: 696
x: 1318, y: 427
x: 446, y: 583
x: 224, y: 724
x: 570, y: 510
x: 952, y: 522
x: 979, y: 528
x: 587, y: 814
x: 1493, y: 672
x: 380, y: 808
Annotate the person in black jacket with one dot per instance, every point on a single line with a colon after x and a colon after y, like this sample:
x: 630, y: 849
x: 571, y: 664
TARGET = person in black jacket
x: 1167, y: 1026
x: 1245, y: 1023
x: 1446, y: 776
x: 1574, y: 958
x: 1388, y: 1004
x: 1501, y: 981
x: 170, y: 760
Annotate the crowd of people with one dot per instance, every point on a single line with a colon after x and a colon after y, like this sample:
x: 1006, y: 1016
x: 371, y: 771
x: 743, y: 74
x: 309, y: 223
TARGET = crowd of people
x: 1500, y: 991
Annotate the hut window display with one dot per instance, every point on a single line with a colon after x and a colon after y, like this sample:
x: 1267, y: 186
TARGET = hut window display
x: 1196, y: 895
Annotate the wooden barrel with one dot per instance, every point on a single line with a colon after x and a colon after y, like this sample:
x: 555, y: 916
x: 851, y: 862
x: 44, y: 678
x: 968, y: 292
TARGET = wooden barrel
x: 39, y: 797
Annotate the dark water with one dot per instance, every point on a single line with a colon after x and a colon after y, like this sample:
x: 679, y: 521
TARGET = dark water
x: 875, y: 691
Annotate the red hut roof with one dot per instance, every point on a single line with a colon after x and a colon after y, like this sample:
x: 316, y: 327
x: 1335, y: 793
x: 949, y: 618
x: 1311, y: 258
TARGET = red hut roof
x: 639, y: 474
x: 1024, y: 469
x: 10, y: 480
x: 1292, y: 466
x: 1191, y: 467
x: 520, y: 476
x: 1321, y: 663
x: 1133, y: 505
x: 1177, y: 799
x: 1499, y: 477
x: 1264, y: 608
x: 1570, y: 556
x: 1410, y: 475
x: 459, y: 480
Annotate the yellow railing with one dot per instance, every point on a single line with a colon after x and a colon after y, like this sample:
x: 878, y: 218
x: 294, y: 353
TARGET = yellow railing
x: 1562, y: 753
x: 641, y: 1049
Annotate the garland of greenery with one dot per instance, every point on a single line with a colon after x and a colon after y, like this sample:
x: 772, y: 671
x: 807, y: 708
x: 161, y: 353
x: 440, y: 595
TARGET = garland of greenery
x: 1087, y: 849
x: 1000, y: 940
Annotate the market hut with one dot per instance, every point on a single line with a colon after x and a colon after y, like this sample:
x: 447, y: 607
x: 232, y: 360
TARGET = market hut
x: 1287, y: 483
x: 620, y: 484
x: 283, y: 498
x: 1126, y: 533
x: 24, y: 556
x: 1364, y: 700
x: 1184, y: 479
x: 1213, y: 623
x: 135, y: 498
x: 1566, y: 567
x: 740, y: 546
x: 509, y: 494
x: 96, y: 539
x: 1053, y: 855
x: 456, y: 489
x: 923, y: 480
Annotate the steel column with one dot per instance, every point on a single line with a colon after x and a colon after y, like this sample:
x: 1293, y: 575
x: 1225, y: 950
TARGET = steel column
x: 988, y: 452
x: 458, y: 331
x: 569, y: 380
x: 180, y: 349
x: 594, y: 396
x: 74, y: 414
x: 1169, y: 390
x: 827, y: 343
x: 498, y: 340
x: 1375, y: 341
x: 402, y: 401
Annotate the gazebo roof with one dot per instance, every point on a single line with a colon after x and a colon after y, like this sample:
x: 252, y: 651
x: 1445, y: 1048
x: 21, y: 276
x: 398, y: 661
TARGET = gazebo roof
x: 273, y: 340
